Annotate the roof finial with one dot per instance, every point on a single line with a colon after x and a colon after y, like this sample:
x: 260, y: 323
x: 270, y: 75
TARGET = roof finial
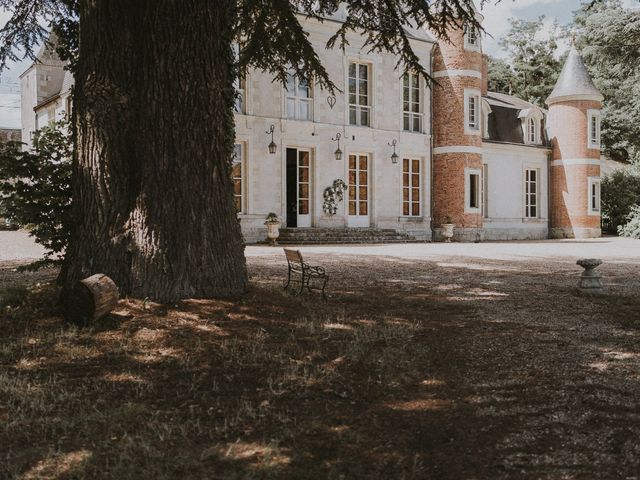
x: 573, y: 39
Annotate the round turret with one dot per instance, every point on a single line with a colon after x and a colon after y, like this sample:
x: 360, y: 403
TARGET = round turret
x: 574, y: 126
x: 457, y: 132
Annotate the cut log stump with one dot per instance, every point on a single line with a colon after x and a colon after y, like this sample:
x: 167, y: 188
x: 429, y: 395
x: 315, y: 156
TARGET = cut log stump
x: 90, y: 299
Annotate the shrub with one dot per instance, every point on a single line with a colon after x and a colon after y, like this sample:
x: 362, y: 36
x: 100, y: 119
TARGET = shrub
x: 620, y: 192
x: 36, y: 188
x: 632, y: 227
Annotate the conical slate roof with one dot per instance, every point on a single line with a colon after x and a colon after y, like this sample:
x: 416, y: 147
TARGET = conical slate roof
x: 574, y: 82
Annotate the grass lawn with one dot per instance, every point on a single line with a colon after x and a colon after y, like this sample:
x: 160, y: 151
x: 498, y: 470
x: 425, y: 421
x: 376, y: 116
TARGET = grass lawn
x: 448, y: 369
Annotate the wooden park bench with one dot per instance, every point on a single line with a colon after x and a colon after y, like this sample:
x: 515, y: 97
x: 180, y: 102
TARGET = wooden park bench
x: 297, y: 266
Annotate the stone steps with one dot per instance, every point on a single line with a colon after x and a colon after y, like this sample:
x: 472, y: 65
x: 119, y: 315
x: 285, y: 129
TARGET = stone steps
x: 310, y: 236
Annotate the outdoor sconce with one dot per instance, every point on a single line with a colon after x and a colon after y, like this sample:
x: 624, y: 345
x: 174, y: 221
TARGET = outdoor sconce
x: 338, y: 152
x: 394, y: 156
x: 272, y: 145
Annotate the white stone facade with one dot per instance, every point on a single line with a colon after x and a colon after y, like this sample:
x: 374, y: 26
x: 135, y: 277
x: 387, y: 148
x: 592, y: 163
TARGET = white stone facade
x: 264, y: 184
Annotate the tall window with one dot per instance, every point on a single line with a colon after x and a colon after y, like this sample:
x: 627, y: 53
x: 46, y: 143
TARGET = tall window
x: 236, y: 175
x: 474, y: 190
x: 594, y: 128
x: 240, y: 85
x: 594, y: 195
x: 299, y: 98
x: 411, y: 187
x: 472, y: 111
x: 359, y: 99
x: 531, y: 193
x: 412, y: 121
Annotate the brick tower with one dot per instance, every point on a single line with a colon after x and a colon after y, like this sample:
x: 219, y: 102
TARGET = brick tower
x: 457, y: 133
x: 574, y: 125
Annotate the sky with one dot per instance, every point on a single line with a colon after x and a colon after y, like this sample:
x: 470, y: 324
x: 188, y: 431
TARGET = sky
x: 496, y: 15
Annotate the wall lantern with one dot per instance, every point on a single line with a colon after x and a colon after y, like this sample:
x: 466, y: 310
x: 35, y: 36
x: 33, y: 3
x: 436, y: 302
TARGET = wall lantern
x: 272, y: 145
x: 394, y: 156
x: 338, y: 152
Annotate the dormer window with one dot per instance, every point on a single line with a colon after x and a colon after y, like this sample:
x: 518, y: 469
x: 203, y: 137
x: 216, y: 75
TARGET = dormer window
x: 471, y: 37
x: 531, y: 125
x: 594, y: 128
x: 532, y: 131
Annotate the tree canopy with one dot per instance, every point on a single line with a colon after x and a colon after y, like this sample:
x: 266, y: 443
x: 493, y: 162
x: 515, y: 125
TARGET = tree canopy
x: 269, y: 33
x: 533, y: 66
x: 608, y: 36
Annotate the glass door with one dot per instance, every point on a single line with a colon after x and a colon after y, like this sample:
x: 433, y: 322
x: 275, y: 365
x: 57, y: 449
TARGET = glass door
x: 298, y: 188
x: 358, y: 190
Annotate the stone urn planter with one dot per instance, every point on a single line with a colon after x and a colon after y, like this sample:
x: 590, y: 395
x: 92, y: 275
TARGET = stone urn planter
x: 590, y: 281
x: 273, y: 228
x: 447, y: 229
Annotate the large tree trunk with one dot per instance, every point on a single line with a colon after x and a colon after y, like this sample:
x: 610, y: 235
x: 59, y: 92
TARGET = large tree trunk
x: 154, y: 117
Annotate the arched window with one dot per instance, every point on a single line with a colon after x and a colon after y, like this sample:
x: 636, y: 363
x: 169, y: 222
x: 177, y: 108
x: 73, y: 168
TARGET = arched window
x: 531, y: 121
x: 532, y: 134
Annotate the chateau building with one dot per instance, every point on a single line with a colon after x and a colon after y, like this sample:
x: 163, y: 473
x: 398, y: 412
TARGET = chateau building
x: 413, y: 155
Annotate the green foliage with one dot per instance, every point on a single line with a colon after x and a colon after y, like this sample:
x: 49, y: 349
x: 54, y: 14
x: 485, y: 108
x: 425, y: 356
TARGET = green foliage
x: 535, y: 68
x: 501, y: 76
x: 620, y: 191
x: 36, y: 188
x: 608, y: 36
x: 632, y: 227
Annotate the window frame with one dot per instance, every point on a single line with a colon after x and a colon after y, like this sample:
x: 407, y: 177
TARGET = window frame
x: 594, y: 182
x: 357, y: 106
x: 527, y: 193
x: 410, y: 202
x: 297, y: 100
x: 471, y: 45
x: 476, y: 129
x: 486, y: 111
x: 468, y: 173
x: 410, y: 114
x: 593, y: 141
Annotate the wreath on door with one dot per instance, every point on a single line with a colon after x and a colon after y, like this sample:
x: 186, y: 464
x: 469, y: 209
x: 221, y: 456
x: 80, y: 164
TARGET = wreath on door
x: 332, y: 196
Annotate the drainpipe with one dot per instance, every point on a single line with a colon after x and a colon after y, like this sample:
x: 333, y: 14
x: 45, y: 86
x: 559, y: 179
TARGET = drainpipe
x: 431, y: 196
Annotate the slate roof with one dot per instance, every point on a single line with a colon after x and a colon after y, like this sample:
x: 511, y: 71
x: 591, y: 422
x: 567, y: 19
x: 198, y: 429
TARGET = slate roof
x: 505, y: 124
x: 574, y: 80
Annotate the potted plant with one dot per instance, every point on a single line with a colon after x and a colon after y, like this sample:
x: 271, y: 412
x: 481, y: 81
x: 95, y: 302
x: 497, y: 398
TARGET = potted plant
x: 273, y: 227
x: 447, y: 228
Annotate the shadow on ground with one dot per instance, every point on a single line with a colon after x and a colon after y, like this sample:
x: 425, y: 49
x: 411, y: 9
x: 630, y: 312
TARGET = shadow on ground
x: 450, y: 369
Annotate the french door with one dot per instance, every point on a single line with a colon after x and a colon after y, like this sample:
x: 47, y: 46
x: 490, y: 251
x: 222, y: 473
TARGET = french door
x: 298, y: 188
x: 359, y: 193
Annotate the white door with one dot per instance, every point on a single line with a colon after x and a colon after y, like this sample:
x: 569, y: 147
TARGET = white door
x: 304, y: 189
x: 358, y: 190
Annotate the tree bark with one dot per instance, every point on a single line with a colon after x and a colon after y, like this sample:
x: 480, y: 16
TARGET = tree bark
x: 155, y: 131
